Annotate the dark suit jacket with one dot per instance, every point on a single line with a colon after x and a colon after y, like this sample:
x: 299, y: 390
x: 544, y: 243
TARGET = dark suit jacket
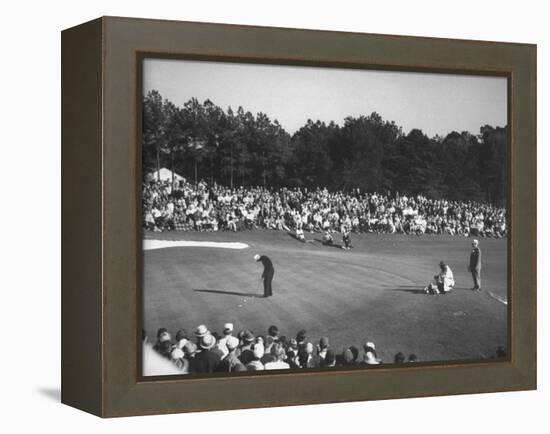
x: 313, y: 362
x: 268, y: 265
x: 206, y: 361
x: 475, y: 259
x: 246, y: 356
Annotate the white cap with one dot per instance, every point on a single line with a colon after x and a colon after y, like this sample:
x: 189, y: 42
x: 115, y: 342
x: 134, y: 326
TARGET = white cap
x: 370, y: 345
x: 177, y: 354
x: 201, y: 330
x: 256, y: 257
x: 228, y: 326
x: 232, y: 343
x: 181, y: 343
x: 258, y: 351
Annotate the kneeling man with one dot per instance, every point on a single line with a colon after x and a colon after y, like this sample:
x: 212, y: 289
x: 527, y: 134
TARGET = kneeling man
x: 443, y: 282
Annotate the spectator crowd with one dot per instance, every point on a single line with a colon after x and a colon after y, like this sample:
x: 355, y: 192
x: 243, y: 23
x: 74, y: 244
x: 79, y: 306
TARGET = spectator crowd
x: 205, y: 351
x: 212, y: 207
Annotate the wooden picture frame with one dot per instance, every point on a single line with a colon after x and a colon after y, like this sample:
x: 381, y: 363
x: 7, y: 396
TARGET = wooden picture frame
x: 101, y: 231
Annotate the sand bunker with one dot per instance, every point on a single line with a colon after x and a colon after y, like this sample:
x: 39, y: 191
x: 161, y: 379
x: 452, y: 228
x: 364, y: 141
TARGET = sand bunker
x: 163, y: 244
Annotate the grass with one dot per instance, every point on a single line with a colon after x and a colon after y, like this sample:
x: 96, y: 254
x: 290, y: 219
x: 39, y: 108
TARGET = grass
x: 372, y: 292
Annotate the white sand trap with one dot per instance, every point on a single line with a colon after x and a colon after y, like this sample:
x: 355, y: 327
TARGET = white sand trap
x: 163, y: 244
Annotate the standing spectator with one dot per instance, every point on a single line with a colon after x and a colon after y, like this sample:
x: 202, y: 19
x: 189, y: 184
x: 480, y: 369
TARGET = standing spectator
x: 162, y: 336
x: 207, y: 359
x: 273, y: 331
x: 227, y: 336
x: 190, y: 349
x: 181, y: 338
x: 475, y: 265
x: 301, y: 339
x: 178, y: 358
x: 200, y: 332
x: 230, y: 361
x: 165, y: 349
x: 246, y: 354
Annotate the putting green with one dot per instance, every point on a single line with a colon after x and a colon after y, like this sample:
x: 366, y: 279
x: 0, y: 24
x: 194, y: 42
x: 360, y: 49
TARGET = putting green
x: 372, y: 292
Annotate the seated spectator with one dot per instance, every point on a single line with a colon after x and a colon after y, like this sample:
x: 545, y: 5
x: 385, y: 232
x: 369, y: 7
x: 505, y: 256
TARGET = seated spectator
x: 201, y: 206
x: 322, y: 347
x: 399, y: 358
x: 328, y: 240
x: 307, y: 359
x: 370, y: 357
x: 292, y: 360
x: 355, y: 351
x: 268, y: 357
x: 278, y: 353
x: 329, y: 360
x: 255, y: 364
x: 348, y: 357
x: 178, y: 358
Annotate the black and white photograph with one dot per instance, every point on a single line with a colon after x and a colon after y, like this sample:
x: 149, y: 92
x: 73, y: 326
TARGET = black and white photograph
x: 314, y: 217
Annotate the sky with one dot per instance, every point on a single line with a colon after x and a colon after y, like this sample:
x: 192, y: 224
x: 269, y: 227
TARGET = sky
x: 434, y: 103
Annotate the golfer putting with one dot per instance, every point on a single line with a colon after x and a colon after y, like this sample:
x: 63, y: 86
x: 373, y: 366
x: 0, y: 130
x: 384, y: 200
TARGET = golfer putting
x: 267, y: 275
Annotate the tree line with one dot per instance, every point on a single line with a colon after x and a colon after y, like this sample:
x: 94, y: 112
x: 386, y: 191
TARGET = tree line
x: 238, y: 148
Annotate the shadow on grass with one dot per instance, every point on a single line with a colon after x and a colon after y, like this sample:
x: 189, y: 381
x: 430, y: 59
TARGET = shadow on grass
x: 293, y: 235
x: 304, y: 241
x: 409, y: 289
x: 338, y: 246
x: 413, y: 289
x: 219, y: 291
